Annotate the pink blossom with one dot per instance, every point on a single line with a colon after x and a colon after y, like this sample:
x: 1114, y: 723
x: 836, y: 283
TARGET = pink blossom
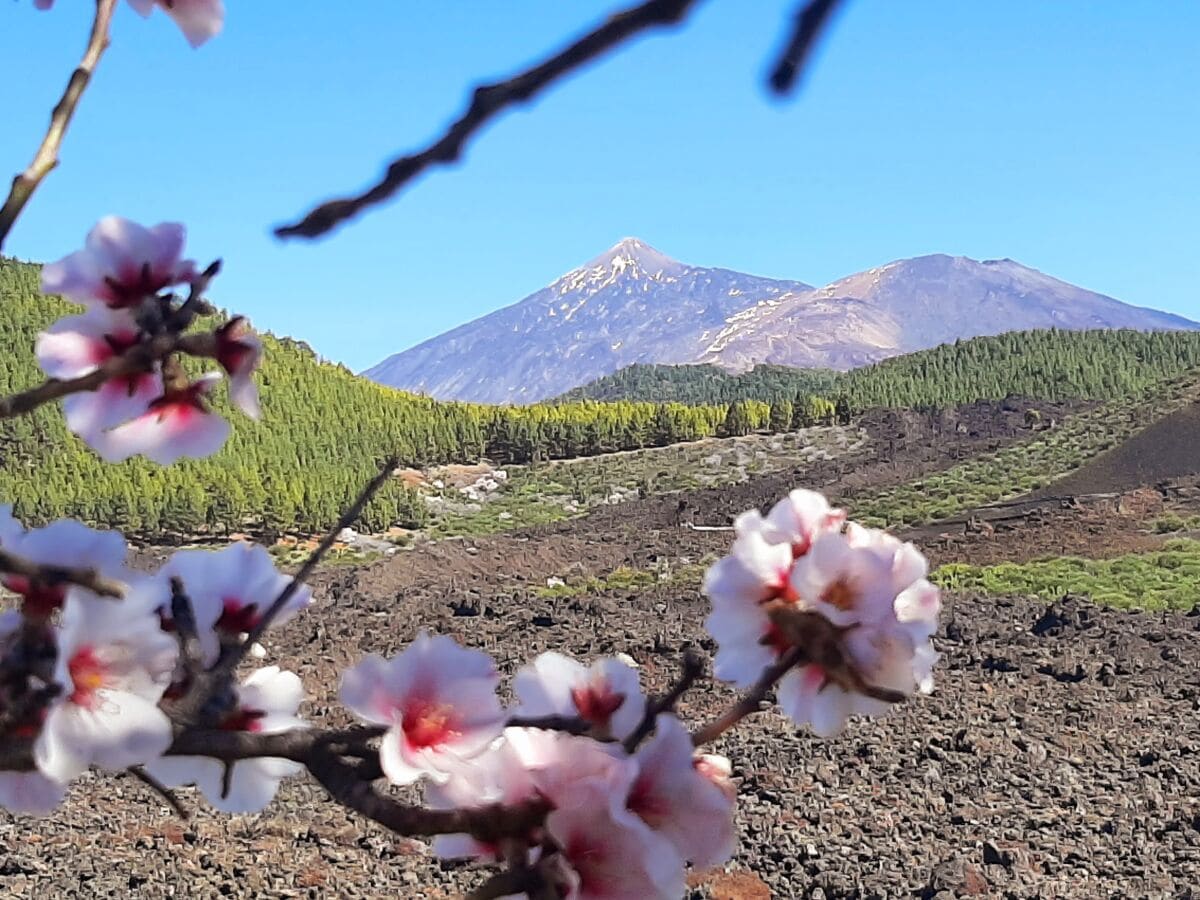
x: 77, y: 346
x: 846, y: 583
x: 678, y: 800
x: 606, y: 695
x: 121, y: 265
x: 610, y: 853
x: 114, y: 662
x: 178, y: 423
x: 438, y: 700
x: 799, y: 518
x: 239, y: 351
x: 199, y: 20
x: 10, y: 528
x: 266, y: 704
x: 66, y: 542
x: 230, y: 589
x: 504, y: 773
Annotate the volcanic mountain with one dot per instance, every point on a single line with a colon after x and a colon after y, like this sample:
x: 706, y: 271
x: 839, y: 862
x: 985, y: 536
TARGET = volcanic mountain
x: 632, y: 304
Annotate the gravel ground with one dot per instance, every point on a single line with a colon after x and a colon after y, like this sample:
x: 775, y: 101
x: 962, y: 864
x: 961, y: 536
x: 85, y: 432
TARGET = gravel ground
x: 1058, y: 757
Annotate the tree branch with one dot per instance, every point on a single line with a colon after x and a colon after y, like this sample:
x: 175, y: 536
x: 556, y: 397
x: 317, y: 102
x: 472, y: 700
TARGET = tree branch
x: 230, y: 660
x: 811, y: 19
x: 693, y: 668
x: 51, y: 575
x: 751, y: 702
x: 46, y: 158
x: 487, y: 101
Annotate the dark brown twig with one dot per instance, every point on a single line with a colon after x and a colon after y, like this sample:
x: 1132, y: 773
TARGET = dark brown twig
x: 52, y: 575
x: 489, y: 823
x: 486, y: 102
x: 162, y: 790
x: 811, y: 19
x: 528, y: 882
x: 46, y: 158
x: 751, y: 702
x: 565, y: 724
x: 693, y: 668
x: 230, y: 660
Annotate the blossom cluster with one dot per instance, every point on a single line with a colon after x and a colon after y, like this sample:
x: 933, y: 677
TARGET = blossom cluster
x: 851, y: 603
x: 619, y: 823
x: 153, y: 410
x: 90, y: 679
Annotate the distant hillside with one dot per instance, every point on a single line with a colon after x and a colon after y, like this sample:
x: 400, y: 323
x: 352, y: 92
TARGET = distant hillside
x: 1050, y: 364
x: 632, y: 305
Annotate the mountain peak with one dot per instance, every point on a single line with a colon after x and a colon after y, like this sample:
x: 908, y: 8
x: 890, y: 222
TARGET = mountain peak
x: 631, y: 252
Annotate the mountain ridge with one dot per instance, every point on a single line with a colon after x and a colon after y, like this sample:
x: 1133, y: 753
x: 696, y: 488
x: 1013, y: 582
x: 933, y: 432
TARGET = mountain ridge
x: 634, y: 304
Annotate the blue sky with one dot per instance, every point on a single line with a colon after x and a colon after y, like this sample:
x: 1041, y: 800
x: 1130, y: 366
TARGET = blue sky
x: 1065, y: 135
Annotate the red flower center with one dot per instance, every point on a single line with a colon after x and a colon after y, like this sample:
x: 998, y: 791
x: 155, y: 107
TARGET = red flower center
x: 596, y: 702
x: 243, y: 720
x: 39, y: 599
x: 427, y: 724
x: 237, y: 617
x: 89, y: 675
x: 841, y: 595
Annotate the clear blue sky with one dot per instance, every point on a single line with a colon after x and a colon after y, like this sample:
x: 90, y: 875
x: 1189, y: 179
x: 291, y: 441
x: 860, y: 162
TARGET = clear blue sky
x: 1065, y: 135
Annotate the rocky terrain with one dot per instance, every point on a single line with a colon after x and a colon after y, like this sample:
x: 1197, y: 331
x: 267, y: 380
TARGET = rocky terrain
x: 633, y: 304
x: 1059, y: 755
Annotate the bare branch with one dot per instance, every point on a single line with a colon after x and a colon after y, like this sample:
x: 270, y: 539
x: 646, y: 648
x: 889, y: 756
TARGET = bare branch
x: 46, y: 158
x: 811, y: 20
x: 52, y: 575
x: 488, y: 823
x: 693, y: 668
x: 486, y: 102
x: 230, y: 660
x: 751, y: 702
x: 162, y: 790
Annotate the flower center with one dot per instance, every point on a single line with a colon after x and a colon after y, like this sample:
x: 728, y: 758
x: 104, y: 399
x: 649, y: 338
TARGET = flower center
x: 89, y: 674
x: 596, y: 702
x: 427, y: 724
x: 841, y: 595
x: 38, y: 598
x: 648, y: 806
x: 237, y: 617
x: 243, y: 720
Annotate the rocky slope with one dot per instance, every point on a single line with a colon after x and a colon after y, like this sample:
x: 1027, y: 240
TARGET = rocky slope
x: 632, y: 304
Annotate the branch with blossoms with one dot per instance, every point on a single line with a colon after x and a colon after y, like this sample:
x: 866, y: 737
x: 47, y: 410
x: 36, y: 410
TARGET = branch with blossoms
x: 582, y: 786
x: 583, y: 781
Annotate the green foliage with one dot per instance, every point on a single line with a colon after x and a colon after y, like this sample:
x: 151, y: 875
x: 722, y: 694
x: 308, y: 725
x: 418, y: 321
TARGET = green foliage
x: 1164, y: 579
x: 1047, y: 365
x: 323, y: 433
x: 1023, y: 467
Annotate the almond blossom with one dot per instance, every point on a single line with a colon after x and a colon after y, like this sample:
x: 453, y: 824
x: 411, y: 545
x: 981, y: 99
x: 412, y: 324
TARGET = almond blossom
x: 178, y: 423
x: 114, y: 662
x: 438, y: 700
x: 675, y: 796
x: 121, y: 265
x: 229, y: 590
x: 606, y: 695
x: 266, y: 704
x: 868, y: 586
x: 503, y: 774
x: 239, y: 351
x: 610, y: 853
x: 199, y: 20
x: 78, y: 345
x: 67, y: 543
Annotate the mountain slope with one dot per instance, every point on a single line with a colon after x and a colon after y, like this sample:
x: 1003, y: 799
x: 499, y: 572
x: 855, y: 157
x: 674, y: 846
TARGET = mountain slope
x: 633, y: 305
x: 914, y: 304
x: 630, y: 304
